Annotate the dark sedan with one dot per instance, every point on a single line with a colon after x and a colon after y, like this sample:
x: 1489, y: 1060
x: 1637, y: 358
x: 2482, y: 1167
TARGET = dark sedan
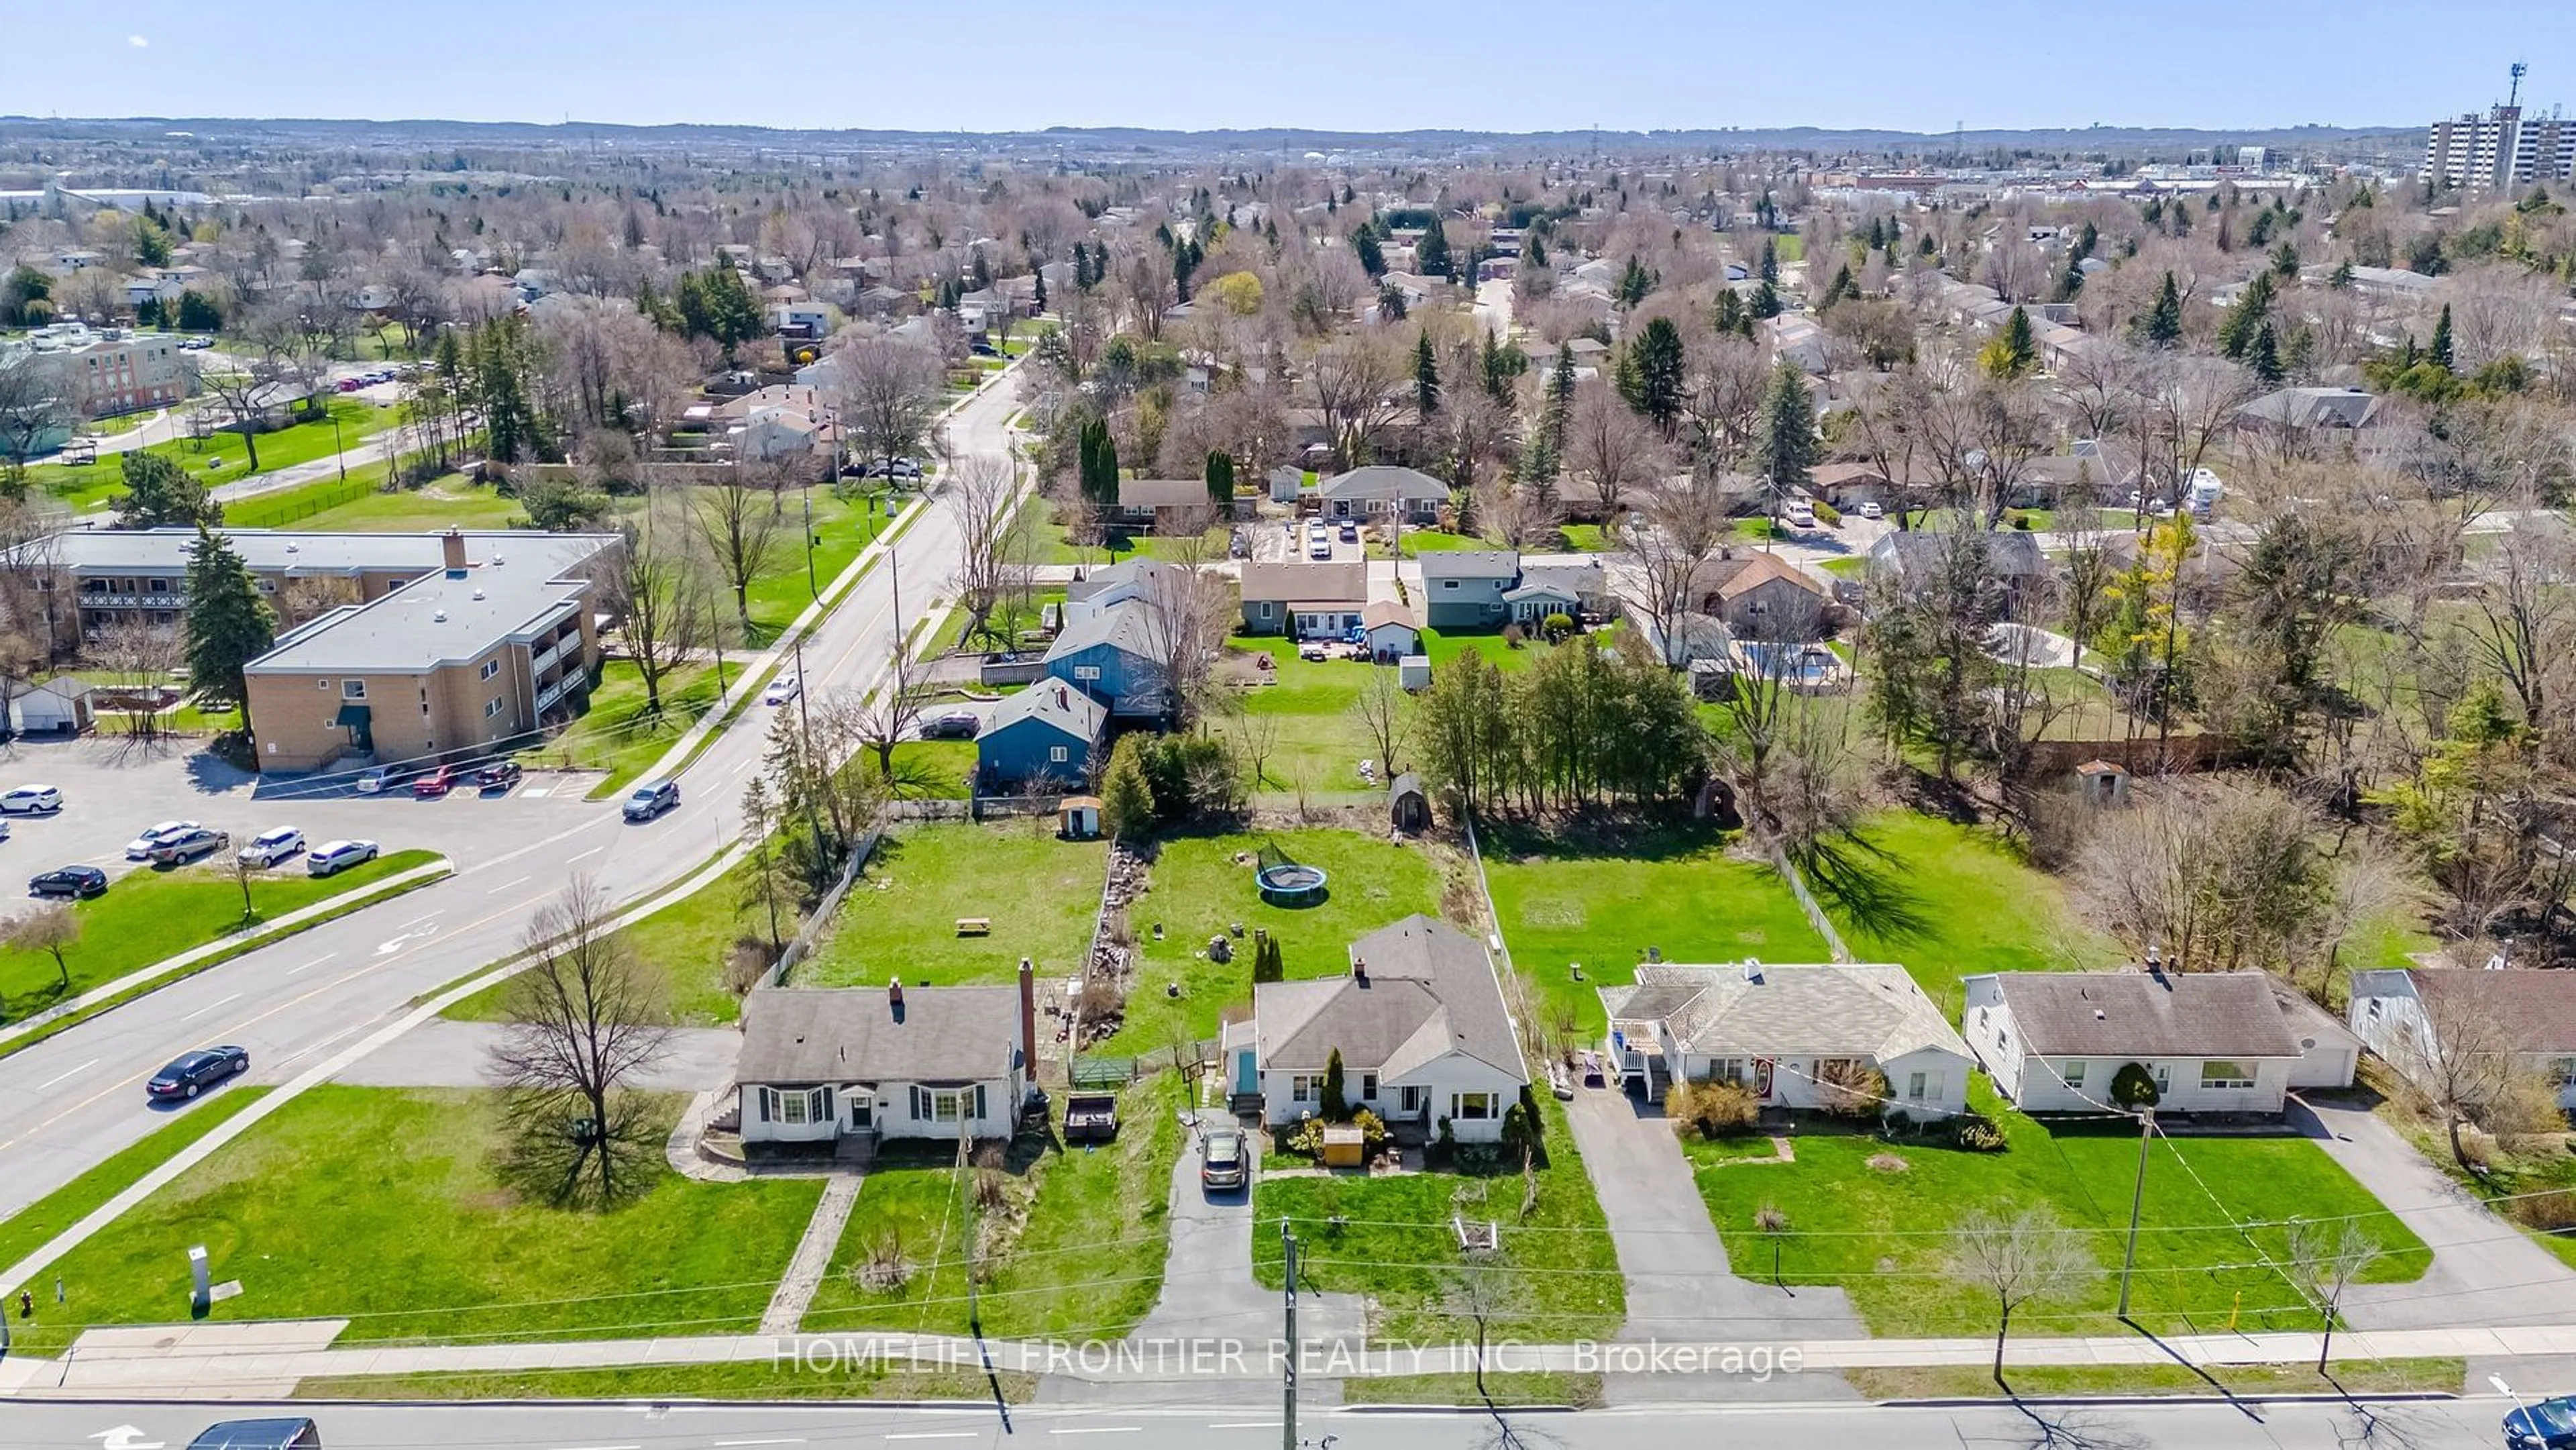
x: 500, y: 775
x: 193, y: 1072
x: 69, y: 881
x: 2547, y: 1425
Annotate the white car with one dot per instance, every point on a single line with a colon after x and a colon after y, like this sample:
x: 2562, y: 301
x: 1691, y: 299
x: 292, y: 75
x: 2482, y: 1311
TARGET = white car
x: 332, y: 857
x: 1872, y: 511
x: 270, y: 847
x: 140, y: 848
x: 28, y: 798
x: 781, y: 690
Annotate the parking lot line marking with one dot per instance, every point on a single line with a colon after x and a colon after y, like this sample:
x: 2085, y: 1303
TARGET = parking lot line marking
x: 75, y: 1072
x: 209, y: 1007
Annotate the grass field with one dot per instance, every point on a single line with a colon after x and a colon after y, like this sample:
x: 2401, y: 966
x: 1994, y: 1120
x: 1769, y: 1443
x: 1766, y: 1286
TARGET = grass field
x: 152, y: 914
x: 1041, y: 894
x: 1318, y: 743
x: 1950, y: 901
x: 618, y: 734
x: 2245, y: 1381
x: 1075, y: 1253
x: 850, y: 1379
x: 220, y: 459
x: 1553, y: 1279
x: 32, y: 1227
x: 1501, y: 1387
x: 452, y: 502
x: 1603, y: 904
x: 1197, y: 892
x: 1884, y: 1235
x: 383, y: 1205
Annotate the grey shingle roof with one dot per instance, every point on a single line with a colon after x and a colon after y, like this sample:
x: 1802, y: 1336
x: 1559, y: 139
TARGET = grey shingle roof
x: 2136, y: 1014
x: 1384, y: 481
x: 1152, y: 575
x: 1307, y: 580
x: 1429, y: 990
x: 1763, y: 1009
x: 855, y: 1034
x: 1471, y: 564
x: 1122, y: 625
x: 1054, y: 703
x: 2008, y: 551
x: 2538, y: 1007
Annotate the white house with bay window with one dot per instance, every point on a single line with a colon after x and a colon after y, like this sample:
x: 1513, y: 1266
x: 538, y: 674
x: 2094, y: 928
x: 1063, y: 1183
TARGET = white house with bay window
x: 1419, y: 1022
x: 850, y: 1067
x: 1786, y: 1032
x: 2212, y: 1042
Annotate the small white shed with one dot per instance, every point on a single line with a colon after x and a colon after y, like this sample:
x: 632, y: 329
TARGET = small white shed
x: 1413, y: 672
x: 56, y: 707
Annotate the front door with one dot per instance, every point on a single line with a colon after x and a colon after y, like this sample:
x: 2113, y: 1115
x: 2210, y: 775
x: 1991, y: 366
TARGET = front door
x: 863, y: 1112
x: 1762, y: 1078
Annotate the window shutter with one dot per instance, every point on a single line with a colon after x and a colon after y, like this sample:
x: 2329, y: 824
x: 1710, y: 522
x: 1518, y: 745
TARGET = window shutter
x: 828, y: 1111
x: 979, y: 1100
x: 760, y: 1103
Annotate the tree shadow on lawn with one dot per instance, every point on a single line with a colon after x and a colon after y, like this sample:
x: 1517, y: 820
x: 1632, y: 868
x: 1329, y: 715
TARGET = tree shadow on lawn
x: 1586, y: 836
x: 1858, y: 879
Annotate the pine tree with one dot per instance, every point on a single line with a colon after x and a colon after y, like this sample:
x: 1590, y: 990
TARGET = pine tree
x: 1126, y: 798
x: 1655, y: 372
x: 2341, y: 281
x: 1220, y: 477
x: 1731, y: 316
x: 1372, y: 257
x: 2263, y: 354
x: 1096, y: 463
x: 229, y: 625
x: 1769, y: 267
x: 1336, y: 1104
x: 1766, y: 302
x: 1431, y: 255
x: 2285, y: 260
x: 2162, y: 326
x: 1037, y: 299
x: 1535, y: 254
x: 2071, y: 281
x: 1426, y: 376
x: 2253, y: 308
x: 159, y: 493
x: 2014, y: 351
x: 1788, y: 447
x: 2439, y: 354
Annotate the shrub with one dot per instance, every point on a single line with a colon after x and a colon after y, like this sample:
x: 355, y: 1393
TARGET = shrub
x: 1373, y: 1133
x: 1977, y: 1133
x: 1713, y: 1109
x: 2553, y: 1211
x: 1846, y: 1087
x: 1557, y: 626
x: 1827, y: 514
x: 2134, y: 1087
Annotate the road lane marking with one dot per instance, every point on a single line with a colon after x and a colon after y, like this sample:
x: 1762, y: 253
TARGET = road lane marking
x: 506, y: 885
x: 584, y: 856
x: 417, y: 920
x: 1097, y: 1430
x: 771, y: 1440
x: 1246, y: 1425
x: 75, y: 1072
x: 937, y: 1435
x: 602, y: 1447
x: 308, y: 966
x: 209, y: 1007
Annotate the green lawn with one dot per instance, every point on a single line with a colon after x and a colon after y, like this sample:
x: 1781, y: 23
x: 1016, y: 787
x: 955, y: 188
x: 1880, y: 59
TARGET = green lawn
x: 850, y: 1379
x: 1076, y: 1252
x: 82, y: 487
x: 685, y: 943
x: 34, y: 1226
x: 1316, y: 741
x: 1603, y: 904
x: 452, y: 502
x: 1041, y: 894
x: 841, y: 529
x: 2245, y: 1381
x: 1196, y: 892
x: 618, y: 734
x: 153, y: 914
x: 1046, y: 542
x: 1554, y: 1279
x: 1883, y: 1235
x: 1533, y: 1388
x: 383, y: 1205
x: 1949, y: 902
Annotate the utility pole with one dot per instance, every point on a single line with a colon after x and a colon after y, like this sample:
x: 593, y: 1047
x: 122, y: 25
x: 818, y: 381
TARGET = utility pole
x: 805, y: 727
x: 2137, y: 1205
x: 1288, y: 1370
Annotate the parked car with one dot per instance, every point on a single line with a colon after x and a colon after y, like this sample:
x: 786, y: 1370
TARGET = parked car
x: 782, y: 690
x: 1872, y: 511
x: 1225, y: 1160
x: 651, y: 799
x: 1350, y: 533
x: 349, y: 385
x: 898, y: 468
x: 140, y: 848
x: 435, y: 784
x: 284, y: 843
x: 69, y: 881
x: 384, y: 778
x: 191, y: 1073
x: 1319, y: 548
x: 195, y: 344
x: 1090, y: 1117
x: 2546, y: 1425
x: 281, y: 1433
x: 190, y: 845
x: 955, y: 725
x: 333, y: 857
x: 983, y: 349
x: 499, y: 775
x: 29, y: 798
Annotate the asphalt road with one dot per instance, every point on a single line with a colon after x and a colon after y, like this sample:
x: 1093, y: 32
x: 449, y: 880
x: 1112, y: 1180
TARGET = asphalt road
x: 2432, y: 1425
x: 74, y: 1099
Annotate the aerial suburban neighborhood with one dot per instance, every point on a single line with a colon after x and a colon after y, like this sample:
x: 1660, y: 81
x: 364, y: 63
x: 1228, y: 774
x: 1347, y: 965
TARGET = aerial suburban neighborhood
x: 788, y: 771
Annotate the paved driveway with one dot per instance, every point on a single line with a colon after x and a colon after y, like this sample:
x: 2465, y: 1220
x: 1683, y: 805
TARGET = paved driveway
x: 2485, y: 1271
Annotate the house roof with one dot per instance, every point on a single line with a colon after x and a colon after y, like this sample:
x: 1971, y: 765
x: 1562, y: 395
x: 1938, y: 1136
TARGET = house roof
x: 447, y: 616
x: 1418, y: 991
x: 1404, y: 785
x: 1764, y: 569
x: 1578, y: 580
x: 1122, y: 626
x: 1149, y: 574
x: 1386, y: 481
x: 1384, y: 612
x: 1304, y: 579
x: 1756, y: 1008
x: 1163, y: 493
x: 2142, y: 1014
x: 1049, y: 702
x: 278, y: 551
x: 858, y: 1034
x: 1471, y: 564
x: 2313, y: 408
x: 2008, y: 551
x: 2537, y: 1007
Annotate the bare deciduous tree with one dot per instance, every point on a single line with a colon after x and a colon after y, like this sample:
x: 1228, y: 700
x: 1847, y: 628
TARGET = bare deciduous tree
x: 1611, y: 448
x: 739, y: 525
x: 1354, y: 383
x: 2326, y: 1259
x: 2462, y: 1066
x: 983, y: 493
x: 2206, y: 875
x: 36, y: 400
x: 660, y: 602
x: 51, y: 929
x: 585, y: 1019
x: 2022, y: 1259
x: 1384, y: 713
x: 886, y: 390
x: 1678, y: 530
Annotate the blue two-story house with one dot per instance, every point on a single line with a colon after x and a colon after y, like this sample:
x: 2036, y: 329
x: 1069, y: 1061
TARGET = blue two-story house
x: 1464, y: 588
x: 1048, y: 732
x: 1111, y: 657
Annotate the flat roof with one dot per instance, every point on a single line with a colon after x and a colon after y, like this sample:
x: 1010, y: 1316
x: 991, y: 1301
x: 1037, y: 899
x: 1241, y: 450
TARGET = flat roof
x: 444, y: 617
x: 279, y: 551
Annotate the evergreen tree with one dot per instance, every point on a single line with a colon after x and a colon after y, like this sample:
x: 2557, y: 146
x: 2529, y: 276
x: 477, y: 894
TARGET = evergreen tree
x: 1841, y: 287
x: 2253, y: 308
x: 196, y: 314
x: 1037, y: 299
x: 1731, y: 316
x: 1655, y: 372
x: 2087, y: 240
x: 1787, y: 446
x: 2014, y: 351
x: 1634, y: 284
x: 159, y: 493
x: 2285, y: 261
x: 1220, y: 477
x: 1766, y: 302
x: 1372, y: 257
x: 2341, y: 281
x: 1096, y: 463
x: 1126, y: 798
x: 1493, y: 371
x: 2439, y: 354
x: 229, y: 625
x: 1336, y: 1104
x: 1768, y: 269
x: 1535, y: 254
x: 2071, y: 281
x: 2162, y: 326
x: 1426, y: 376
x: 1431, y: 255
x: 2263, y: 354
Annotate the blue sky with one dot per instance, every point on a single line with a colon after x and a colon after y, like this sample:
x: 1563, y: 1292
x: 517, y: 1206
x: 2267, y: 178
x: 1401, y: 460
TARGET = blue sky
x: 1337, y: 64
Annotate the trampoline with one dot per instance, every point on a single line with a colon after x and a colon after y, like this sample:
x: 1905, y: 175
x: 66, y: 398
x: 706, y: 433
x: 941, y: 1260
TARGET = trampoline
x: 1289, y: 884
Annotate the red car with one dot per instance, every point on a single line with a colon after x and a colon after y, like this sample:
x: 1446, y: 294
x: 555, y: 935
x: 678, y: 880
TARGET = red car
x: 435, y: 784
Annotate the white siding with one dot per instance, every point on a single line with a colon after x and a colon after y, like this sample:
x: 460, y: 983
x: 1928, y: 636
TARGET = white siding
x: 890, y: 1111
x: 1439, y: 1084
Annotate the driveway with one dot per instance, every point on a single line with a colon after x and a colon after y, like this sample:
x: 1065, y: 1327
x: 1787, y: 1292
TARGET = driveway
x: 2485, y: 1271
x: 447, y: 1054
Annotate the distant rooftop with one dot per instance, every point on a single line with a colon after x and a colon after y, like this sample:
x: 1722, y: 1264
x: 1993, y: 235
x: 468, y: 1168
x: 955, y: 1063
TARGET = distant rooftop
x: 275, y: 551
x: 447, y: 616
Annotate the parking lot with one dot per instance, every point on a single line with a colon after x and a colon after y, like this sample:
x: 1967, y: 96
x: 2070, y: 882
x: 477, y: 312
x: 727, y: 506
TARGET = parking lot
x: 1278, y: 542
x: 113, y: 789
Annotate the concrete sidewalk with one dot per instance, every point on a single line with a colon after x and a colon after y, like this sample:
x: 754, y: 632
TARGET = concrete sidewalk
x: 196, y: 1362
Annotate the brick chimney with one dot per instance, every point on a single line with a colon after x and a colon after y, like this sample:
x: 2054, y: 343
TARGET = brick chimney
x: 452, y: 543
x: 1029, y: 1017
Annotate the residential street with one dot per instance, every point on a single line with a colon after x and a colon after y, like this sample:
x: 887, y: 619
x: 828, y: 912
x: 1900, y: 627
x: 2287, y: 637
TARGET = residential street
x: 76, y: 1098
